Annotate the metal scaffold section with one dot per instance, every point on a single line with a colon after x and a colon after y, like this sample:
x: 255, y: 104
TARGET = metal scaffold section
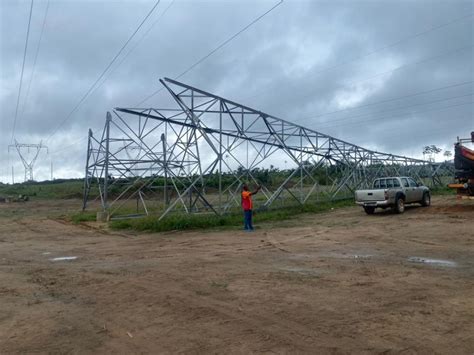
x: 196, y: 155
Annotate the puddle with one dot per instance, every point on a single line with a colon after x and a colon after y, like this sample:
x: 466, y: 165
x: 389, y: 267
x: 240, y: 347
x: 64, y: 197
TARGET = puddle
x: 302, y: 256
x: 436, y: 262
x: 331, y: 255
x: 363, y: 256
x: 62, y: 258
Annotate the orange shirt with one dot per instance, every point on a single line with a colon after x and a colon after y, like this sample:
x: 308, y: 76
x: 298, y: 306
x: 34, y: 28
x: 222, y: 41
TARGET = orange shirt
x: 246, y: 200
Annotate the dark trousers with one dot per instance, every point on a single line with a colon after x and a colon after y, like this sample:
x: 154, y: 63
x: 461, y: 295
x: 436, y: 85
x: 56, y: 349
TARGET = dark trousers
x: 248, y: 220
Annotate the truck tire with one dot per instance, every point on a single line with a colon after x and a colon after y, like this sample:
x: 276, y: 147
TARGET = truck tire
x: 470, y: 189
x: 369, y: 209
x: 399, y: 205
x: 426, y: 200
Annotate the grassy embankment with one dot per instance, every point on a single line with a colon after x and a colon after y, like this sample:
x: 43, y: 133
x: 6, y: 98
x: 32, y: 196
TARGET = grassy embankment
x: 183, y: 221
x: 442, y: 191
x: 196, y: 221
x: 57, y: 189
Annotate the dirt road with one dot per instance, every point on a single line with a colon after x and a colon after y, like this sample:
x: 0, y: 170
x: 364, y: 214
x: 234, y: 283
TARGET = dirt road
x: 337, y: 282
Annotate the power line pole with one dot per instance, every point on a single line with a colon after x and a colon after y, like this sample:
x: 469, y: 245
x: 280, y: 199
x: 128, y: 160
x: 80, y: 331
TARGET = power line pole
x: 27, y: 159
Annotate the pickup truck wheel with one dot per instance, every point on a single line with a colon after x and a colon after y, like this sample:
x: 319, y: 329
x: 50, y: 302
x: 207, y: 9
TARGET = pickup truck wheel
x: 399, y: 205
x: 369, y: 209
x: 426, y: 201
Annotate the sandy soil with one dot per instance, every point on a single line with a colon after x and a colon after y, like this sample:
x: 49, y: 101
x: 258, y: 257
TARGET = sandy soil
x: 340, y: 282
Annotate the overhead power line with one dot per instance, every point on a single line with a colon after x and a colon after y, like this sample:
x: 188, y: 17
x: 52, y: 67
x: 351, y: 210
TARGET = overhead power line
x: 423, y: 134
x: 395, y: 109
x: 392, y: 99
x: 84, y: 97
x: 115, y: 68
x: 124, y: 57
x: 195, y: 64
x: 424, y: 60
x: 398, y: 115
x: 25, y: 102
x: 22, y: 71
x: 75, y: 143
x: 393, y: 44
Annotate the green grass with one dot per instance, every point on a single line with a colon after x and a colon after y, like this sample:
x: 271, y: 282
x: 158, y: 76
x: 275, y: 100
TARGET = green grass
x: 442, y: 191
x: 82, y: 217
x: 196, y: 221
x: 57, y: 189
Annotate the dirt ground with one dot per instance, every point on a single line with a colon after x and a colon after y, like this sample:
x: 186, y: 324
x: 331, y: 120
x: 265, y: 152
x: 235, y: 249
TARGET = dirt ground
x: 338, y: 282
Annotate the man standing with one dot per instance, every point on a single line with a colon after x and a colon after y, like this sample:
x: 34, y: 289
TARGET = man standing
x: 247, y: 206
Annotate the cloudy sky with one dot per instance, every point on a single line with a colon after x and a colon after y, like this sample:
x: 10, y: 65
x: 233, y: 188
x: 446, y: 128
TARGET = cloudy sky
x: 388, y: 75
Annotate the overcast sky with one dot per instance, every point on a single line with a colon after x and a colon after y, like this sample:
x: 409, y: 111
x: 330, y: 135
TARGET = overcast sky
x: 399, y: 74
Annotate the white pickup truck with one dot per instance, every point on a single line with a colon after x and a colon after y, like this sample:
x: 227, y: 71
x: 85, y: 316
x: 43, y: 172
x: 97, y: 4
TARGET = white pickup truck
x: 394, y: 192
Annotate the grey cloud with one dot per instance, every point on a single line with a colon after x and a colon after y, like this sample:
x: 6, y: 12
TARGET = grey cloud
x: 282, y: 65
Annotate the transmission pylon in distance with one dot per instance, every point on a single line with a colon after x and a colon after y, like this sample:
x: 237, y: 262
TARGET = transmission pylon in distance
x: 28, y: 154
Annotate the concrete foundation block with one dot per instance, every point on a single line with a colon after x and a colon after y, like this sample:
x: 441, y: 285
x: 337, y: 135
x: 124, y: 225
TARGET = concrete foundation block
x: 102, y: 216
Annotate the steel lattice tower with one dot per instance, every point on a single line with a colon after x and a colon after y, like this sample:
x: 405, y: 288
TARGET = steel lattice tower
x: 28, y: 162
x: 177, y: 150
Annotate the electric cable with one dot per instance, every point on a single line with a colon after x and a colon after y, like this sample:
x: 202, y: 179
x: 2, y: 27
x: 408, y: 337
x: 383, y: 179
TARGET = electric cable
x: 458, y: 19
x: 22, y: 71
x: 424, y: 60
x: 35, y: 60
x: 394, y: 109
x: 392, y: 99
x: 84, y: 97
x: 135, y: 45
x: 202, y: 59
x: 401, y: 115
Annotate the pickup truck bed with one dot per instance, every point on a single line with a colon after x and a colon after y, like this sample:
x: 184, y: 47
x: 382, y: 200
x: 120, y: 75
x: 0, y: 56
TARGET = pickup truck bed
x: 372, y: 198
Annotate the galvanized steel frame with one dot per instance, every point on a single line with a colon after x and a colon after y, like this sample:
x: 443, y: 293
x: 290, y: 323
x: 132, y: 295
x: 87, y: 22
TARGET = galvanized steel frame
x: 28, y: 164
x: 171, y: 143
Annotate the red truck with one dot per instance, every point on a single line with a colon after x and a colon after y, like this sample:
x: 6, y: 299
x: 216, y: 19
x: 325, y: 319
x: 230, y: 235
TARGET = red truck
x: 464, y: 165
